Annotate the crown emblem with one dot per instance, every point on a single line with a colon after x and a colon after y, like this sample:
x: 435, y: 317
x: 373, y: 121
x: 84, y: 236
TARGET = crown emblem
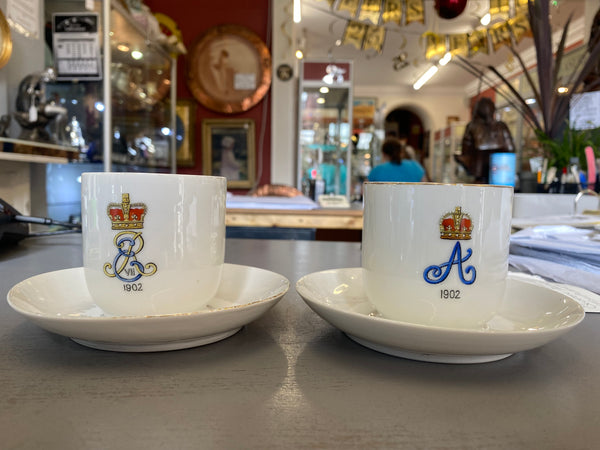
x: 125, y: 215
x: 456, y: 225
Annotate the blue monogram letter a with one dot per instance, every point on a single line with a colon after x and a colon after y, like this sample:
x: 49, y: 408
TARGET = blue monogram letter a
x: 436, y: 274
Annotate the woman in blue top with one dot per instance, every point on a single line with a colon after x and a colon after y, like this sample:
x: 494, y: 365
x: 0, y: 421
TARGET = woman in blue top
x: 397, y: 167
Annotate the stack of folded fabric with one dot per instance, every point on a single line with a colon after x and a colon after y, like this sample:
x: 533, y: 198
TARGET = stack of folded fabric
x: 558, y: 253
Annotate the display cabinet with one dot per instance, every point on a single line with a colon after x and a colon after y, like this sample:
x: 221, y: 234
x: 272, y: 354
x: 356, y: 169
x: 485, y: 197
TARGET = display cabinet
x: 367, y: 137
x: 115, y: 108
x: 142, y: 72
x: 447, y: 143
x: 324, y: 130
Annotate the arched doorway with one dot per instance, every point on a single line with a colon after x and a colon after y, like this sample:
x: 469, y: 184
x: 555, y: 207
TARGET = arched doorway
x: 404, y: 122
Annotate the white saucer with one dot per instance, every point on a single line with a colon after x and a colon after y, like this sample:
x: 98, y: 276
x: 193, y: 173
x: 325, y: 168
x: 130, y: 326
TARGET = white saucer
x: 531, y: 316
x: 60, y: 302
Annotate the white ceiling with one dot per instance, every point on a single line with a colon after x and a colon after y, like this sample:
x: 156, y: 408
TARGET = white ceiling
x: 322, y: 26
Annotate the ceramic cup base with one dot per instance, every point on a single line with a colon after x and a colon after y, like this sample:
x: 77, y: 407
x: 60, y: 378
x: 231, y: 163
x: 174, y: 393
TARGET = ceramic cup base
x: 472, y: 309
x: 183, y: 292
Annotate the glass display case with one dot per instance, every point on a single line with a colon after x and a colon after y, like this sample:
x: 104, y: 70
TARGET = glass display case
x: 367, y: 137
x: 447, y: 143
x: 324, y: 128
x: 81, y: 86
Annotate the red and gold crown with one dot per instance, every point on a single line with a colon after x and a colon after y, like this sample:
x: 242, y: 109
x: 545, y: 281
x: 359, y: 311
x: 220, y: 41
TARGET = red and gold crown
x: 126, y: 216
x: 456, y: 225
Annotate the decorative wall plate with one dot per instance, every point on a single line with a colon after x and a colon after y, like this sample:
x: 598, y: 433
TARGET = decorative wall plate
x: 229, y: 69
x: 5, y: 40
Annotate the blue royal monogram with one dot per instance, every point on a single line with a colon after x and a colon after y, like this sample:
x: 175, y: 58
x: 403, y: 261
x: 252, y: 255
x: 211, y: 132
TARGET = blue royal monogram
x: 125, y: 266
x: 436, y: 274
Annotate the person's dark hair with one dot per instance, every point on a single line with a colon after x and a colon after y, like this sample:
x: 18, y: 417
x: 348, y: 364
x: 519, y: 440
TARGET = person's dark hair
x: 393, y: 148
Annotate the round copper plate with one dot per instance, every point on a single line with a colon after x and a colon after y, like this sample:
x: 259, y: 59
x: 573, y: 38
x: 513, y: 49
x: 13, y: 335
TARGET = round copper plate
x: 5, y: 40
x: 229, y: 69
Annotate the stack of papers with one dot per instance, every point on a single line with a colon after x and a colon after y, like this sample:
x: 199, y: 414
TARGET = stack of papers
x: 578, y: 220
x: 563, y: 254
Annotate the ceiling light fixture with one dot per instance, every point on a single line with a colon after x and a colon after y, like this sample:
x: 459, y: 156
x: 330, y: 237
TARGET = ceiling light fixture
x: 485, y: 20
x: 297, y: 11
x: 425, y: 77
x: 301, y: 45
x: 445, y: 59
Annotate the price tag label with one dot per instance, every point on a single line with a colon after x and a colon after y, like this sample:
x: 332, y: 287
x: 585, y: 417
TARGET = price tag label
x: 333, y: 201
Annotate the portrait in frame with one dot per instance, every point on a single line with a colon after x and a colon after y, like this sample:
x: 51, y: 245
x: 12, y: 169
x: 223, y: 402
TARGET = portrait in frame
x: 185, y: 121
x: 228, y: 150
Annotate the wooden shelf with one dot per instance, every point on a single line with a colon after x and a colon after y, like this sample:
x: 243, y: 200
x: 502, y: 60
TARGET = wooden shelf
x: 29, y: 158
x: 36, y: 152
x: 347, y: 219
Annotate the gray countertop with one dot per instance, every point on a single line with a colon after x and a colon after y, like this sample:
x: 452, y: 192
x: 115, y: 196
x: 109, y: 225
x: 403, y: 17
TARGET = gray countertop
x: 286, y: 380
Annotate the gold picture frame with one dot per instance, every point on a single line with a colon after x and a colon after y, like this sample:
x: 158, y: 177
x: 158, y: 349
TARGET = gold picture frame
x: 228, y: 150
x: 185, y: 111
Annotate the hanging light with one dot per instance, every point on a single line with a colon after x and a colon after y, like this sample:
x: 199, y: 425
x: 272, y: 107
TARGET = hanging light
x: 425, y: 77
x: 485, y: 20
x: 297, y: 12
x: 445, y: 59
x: 301, y: 44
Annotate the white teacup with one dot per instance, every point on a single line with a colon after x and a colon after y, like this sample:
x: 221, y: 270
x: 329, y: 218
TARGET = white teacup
x: 152, y: 243
x: 436, y: 254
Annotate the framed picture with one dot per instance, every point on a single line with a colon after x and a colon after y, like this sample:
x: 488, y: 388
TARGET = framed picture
x: 363, y: 111
x: 185, y: 121
x: 228, y: 150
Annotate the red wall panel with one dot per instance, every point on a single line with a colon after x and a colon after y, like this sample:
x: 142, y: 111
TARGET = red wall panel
x: 193, y: 19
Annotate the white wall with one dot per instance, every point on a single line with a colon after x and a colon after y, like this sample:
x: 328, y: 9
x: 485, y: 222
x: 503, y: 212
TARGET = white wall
x: 433, y: 105
x: 27, y: 57
x: 283, y: 96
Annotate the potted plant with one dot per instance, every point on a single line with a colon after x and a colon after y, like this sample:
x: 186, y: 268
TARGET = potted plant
x: 561, y: 150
